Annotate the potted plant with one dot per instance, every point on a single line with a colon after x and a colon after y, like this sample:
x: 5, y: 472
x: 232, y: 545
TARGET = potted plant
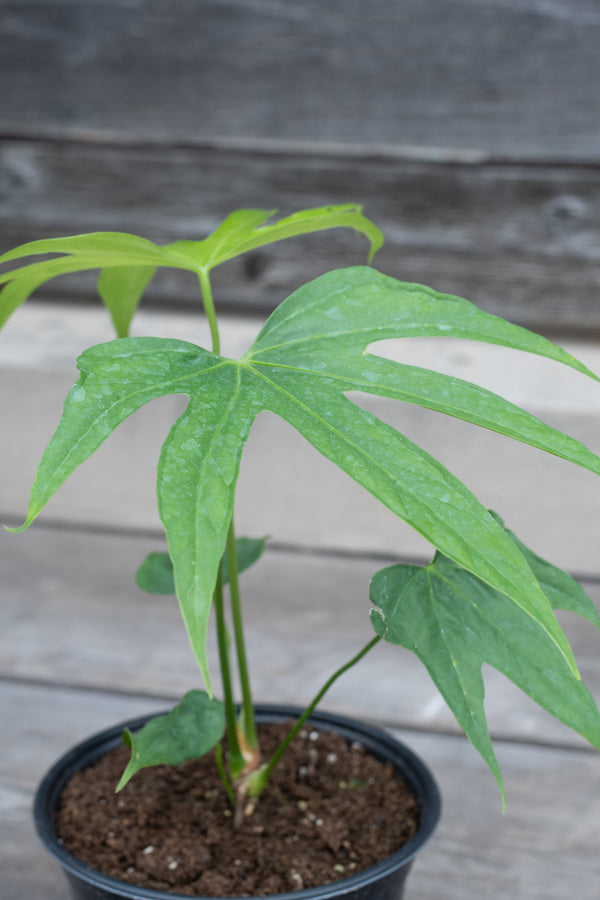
x: 484, y: 597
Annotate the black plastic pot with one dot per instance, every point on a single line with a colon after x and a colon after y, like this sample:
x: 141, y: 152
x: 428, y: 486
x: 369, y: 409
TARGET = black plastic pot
x: 384, y: 881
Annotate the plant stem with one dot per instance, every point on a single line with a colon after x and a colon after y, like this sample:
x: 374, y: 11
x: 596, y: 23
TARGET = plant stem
x: 244, y: 751
x: 209, y: 309
x: 248, y: 721
x: 260, y: 781
x: 239, y: 750
x: 223, y: 774
x: 235, y: 753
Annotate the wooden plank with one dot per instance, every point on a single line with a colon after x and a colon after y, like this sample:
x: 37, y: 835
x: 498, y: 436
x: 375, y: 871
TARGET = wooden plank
x: 497, y: 78
x: 521, y: 241
x: 545, y: 846
x: 37, y: 718
x: 305, y: 615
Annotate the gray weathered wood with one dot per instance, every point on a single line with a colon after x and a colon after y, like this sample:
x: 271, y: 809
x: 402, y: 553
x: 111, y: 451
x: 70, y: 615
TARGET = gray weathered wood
x: 491, y: 78
x: 469, y: 133
x: 40, y: 723
x: 545, y: 846
x: 72, y: 615
x: 520, y: 241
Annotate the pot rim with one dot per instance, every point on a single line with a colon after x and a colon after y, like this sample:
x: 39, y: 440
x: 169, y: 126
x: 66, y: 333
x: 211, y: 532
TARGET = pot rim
x: 378, y: 742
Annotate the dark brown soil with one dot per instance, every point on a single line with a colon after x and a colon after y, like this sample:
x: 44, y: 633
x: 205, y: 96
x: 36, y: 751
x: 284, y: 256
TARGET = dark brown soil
x: 330, y: 810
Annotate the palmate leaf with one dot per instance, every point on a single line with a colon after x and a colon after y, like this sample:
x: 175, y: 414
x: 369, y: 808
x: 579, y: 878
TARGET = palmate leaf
x: 312, y: 351
x: 454, y: 622
x: 128, y: 262
x: 199, y: 462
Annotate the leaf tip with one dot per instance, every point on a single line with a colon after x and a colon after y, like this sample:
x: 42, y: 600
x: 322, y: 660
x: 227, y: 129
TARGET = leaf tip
x: 129, y: 772
x: 19, y: 528
x: 124, y: 779
x: 376, y: 245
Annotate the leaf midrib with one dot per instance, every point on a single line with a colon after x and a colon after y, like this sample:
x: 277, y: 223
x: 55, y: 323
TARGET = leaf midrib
x: 456, y: 665
x: 69, y: 263
x: 392, y: 392
x: 217, y: 432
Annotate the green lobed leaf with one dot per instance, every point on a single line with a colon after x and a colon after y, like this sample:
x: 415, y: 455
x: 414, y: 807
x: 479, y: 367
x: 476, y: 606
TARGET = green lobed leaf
x: 322, y: 330
x: 234, y: 232
x: 189, y: 731
x: 455, y: 623
x: 128, y: 262
x: 199, y: 462
x: 116, y: 379
x: 155, y: 575
x: 309, y: 354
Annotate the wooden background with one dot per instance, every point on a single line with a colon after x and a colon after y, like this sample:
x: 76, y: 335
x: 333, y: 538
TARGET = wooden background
x: 82, y: 648
x: 470, y: 132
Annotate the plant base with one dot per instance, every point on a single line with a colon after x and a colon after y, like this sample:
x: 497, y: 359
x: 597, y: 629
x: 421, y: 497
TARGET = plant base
x: 381, y: 880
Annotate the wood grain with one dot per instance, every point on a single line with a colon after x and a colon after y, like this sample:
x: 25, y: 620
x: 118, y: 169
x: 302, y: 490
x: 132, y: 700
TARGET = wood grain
x: 306, y: 614
x: 545, y: 846
x: 468, y: 131
x: 520, y: 241
x: 494, y: 79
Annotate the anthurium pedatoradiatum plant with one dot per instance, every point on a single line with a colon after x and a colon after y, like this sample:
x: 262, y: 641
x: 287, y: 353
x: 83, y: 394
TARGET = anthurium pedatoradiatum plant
x: 484, y: 598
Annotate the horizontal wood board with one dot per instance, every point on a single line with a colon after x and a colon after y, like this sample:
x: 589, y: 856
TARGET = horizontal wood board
x: 469, y: 131
x: 544, y: 847
x: 520, y: 241
x: 487, y: 78
x: 306, y: 614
